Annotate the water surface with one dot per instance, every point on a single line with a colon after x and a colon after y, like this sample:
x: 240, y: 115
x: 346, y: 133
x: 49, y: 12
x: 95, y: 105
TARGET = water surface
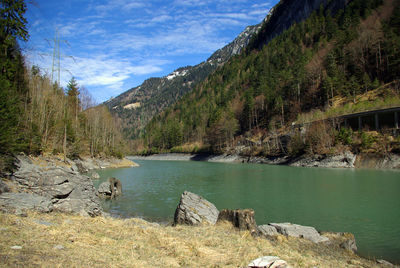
x: 363, y: 202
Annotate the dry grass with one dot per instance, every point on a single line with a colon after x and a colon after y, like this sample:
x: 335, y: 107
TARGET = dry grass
x: 381, y: 98
x: 122, y: 163
x: 105, y: 242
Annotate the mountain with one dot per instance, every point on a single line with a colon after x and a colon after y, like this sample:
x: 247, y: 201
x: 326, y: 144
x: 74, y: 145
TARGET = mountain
x: 137, y: 106
x: 333, y: 54
x: 288, y: 12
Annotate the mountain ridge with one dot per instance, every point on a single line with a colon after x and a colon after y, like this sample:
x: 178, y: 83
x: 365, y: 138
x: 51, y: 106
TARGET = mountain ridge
x: 157, y: 93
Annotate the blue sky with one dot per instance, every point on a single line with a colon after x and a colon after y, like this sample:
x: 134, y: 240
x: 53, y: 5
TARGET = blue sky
x: 114, y: 45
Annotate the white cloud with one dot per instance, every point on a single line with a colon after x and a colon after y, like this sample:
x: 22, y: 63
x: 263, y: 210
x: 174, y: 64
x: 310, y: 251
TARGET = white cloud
x: 115, y: 40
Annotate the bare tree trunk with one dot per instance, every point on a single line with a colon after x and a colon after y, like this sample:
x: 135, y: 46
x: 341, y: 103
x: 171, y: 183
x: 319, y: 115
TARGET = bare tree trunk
x: 65, y: 142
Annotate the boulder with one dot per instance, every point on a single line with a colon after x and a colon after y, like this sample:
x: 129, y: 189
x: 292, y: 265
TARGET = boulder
x: 3, y: 187
x: 104, y: 189
x: 17, y: 202
x: 267, y: 230
x: 240, y: 218
x: 95, y: 176
x: 385, y: 263
x: 296, y: 230
x: 349, y: 243
x: 110, y: 188
x: 69, y: 191
x: 269, y: 262
x: 194, y: 209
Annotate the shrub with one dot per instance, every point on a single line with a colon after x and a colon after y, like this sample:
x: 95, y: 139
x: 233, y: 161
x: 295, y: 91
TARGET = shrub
x: 367, y: 140
x: 319, y: 138
x: 296, y: 145
x: 345, y: 136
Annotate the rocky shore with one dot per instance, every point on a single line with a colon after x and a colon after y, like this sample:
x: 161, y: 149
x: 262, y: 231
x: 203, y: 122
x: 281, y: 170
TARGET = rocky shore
x: 343, y: 160
x: 195, y: 210
x: 54, y: 184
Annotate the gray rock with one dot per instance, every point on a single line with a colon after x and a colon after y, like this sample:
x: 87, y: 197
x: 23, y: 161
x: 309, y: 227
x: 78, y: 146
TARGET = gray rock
x: 110, y: 188
x: 3, y: 187
x: 194, y: 209
x: 349, y: 244
x: 104, y: 188
x: 41, y: 222
x: 95, y: 176
x: 21, y: 213
x: 344, y: 160
x: 267, y: 230
x: 68, y: 191
x: 385, y: 263
x: 268, y: 261
x: 14, y: 202
x: 296, y: 230
x: 58, y: 247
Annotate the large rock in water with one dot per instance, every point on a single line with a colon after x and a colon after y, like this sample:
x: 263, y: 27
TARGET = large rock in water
x: 110, y: 188
x: 296, y: 230
x: 194, y: 209
x: 68, y: 190
x: 240, y: 218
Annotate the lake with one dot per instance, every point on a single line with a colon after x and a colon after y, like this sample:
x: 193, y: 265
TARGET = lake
x: 363, y: 202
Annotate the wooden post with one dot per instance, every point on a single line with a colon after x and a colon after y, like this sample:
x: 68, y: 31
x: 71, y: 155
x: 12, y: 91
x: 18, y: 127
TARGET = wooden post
x: 396, y: 120
x: 359, y: 123
x: 376, y: 121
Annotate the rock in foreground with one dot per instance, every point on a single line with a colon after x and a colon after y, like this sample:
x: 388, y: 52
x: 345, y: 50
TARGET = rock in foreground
x: 14, y: 202
x: 296, y: 230
x: 67, y: 190
x: 194, y: 209
x: 268, y: 261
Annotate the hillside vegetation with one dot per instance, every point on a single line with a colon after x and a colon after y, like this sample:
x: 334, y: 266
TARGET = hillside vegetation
x: 37, y: 115
x: 304, y: 68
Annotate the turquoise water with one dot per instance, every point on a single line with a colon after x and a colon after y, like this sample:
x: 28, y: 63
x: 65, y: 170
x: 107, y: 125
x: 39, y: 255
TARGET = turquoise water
x: 363, y: 202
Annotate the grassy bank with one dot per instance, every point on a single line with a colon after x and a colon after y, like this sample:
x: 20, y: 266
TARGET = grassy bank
x: 105, y: 242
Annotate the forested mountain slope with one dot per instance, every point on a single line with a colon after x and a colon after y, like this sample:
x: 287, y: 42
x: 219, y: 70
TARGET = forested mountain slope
x: 137, y: 106
x: 354, y: 51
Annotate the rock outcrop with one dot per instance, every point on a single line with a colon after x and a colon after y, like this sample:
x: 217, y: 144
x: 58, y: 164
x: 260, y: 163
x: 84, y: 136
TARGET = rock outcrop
x: 295, y: 230
x: 344, y: 160
x: 267, y: 230
x: 240, y: 218
x: 110, y: 188
x: 19, y: 202
x: 3, y: 187
x: 68, y: 190
x: 194, y: 210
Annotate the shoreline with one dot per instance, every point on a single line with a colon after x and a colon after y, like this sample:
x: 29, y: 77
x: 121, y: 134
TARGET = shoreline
x: 344, y: 160
x: 69, y: 192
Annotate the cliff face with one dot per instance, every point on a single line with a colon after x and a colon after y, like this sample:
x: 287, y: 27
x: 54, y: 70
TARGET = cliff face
x: 287, y: 12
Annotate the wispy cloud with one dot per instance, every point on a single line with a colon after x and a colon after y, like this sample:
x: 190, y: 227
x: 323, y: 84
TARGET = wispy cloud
x: 117, y: 42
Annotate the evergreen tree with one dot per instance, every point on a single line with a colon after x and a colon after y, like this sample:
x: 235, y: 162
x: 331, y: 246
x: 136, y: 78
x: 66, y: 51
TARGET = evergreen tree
x: 12, y: 87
